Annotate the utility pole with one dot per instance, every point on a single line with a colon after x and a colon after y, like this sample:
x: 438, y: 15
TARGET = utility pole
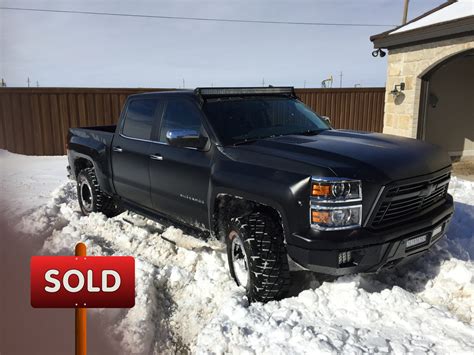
x: 28, y: 81
x: 184, y: 84
x: 340, y: 79
x: 263, y: 81
x: 304, y: 84
x: 405, y: 12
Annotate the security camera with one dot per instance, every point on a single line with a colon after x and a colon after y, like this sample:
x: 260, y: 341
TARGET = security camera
x: 378, y: 52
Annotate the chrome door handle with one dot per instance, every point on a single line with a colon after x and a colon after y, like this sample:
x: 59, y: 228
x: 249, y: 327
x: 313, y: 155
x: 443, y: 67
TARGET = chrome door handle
x: 117, y: 149
x: 156, y: 157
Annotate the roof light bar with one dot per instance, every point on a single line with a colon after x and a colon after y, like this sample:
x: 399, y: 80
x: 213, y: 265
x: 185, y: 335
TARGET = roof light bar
x: 237, y: 91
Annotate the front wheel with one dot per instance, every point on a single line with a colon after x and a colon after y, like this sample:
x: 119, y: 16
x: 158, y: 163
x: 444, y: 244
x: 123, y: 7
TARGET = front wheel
x: 257, y: 256
x: 92, y: 198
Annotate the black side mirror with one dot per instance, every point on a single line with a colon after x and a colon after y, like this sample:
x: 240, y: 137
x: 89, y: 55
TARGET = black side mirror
x: 186, y: 138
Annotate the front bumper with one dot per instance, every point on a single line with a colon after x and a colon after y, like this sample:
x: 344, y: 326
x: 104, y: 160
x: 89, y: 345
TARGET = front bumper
x: 369, y: 251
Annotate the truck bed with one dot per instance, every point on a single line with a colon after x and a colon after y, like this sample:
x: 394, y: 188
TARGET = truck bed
x: 92, y: 136
x: 110, y: 128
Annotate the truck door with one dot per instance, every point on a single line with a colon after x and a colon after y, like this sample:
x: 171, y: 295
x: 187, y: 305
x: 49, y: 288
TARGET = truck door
x: 130, y: 151
x: 179, y: 176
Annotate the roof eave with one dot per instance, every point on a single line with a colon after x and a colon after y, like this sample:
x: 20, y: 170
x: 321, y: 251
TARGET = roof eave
x: 449, y: 29
x: 380, y: 36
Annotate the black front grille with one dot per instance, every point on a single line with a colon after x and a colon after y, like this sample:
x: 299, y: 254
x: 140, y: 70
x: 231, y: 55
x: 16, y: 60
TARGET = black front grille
x: 404, y: 201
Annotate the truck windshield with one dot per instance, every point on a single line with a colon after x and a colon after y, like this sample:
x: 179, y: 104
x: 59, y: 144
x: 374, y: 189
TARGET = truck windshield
x: 241, y: 120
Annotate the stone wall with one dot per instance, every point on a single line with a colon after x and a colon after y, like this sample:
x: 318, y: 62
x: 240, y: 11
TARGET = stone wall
x: 408, y: 65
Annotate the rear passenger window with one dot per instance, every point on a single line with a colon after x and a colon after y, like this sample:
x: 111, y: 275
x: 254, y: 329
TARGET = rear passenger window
x: 180, y: 114
x: 139, y: 118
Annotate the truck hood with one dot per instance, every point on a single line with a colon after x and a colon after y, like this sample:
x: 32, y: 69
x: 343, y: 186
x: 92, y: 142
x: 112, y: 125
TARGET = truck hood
x: 348, y: 154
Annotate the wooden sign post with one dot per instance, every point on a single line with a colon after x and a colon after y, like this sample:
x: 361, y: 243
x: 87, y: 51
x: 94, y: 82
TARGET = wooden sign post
x: 81, y: 314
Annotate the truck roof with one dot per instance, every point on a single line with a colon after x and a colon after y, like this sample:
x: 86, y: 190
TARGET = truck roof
x: 179, y: 92
x: 209, y: 92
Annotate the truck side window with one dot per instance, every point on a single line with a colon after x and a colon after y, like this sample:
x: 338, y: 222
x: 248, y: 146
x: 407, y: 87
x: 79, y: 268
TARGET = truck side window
x: 180, y: 114
x: 139, y: 119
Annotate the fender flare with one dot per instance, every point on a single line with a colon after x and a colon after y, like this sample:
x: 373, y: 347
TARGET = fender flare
x: 103, y: 175
x: 282, y: 195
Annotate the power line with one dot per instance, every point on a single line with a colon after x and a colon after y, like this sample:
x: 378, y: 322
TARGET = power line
x: 267, y: 22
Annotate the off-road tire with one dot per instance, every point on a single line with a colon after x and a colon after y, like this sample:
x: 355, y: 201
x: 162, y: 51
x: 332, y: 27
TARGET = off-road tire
x: 268, y: 271
x: 99, y: 201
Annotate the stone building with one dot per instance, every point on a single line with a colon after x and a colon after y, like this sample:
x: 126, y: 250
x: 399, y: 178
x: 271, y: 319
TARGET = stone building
x: 430, y: 77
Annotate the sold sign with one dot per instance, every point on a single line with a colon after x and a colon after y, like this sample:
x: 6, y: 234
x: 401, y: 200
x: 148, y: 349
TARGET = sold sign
x: 82, y: 282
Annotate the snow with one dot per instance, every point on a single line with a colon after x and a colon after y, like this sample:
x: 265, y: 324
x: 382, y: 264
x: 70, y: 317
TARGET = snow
x: 27, y: 182
x: 456, y: 10
x: 186, y: 300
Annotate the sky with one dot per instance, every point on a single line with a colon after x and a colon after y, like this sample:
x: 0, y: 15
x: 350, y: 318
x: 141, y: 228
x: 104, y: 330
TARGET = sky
x: 72, y: 50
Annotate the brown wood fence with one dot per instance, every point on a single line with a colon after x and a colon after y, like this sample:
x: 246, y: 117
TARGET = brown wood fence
x: 35, y: 121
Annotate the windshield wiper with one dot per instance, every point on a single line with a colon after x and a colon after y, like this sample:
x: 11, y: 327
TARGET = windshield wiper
x: 309, y: 132
x: 246, y: 141
x: 252, y: 140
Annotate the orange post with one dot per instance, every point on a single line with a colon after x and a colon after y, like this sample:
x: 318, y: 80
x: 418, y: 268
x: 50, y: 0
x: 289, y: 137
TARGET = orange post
x: 81, y: 315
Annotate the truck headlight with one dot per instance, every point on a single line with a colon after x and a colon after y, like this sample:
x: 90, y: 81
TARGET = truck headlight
x: 326, y: 217
x: 335, y: 203
x: 336, y: 190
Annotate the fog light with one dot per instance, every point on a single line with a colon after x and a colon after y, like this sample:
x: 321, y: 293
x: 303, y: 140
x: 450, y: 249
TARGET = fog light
x: 345, y: 257
x: 437, y: 231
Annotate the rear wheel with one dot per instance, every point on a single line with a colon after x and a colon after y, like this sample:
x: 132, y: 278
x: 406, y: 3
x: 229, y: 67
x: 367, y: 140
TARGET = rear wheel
x: 92, y: 198
x: 257, y: 256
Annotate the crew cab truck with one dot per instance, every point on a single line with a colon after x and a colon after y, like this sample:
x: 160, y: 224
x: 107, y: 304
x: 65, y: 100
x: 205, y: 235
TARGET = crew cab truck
x: 261, y: 171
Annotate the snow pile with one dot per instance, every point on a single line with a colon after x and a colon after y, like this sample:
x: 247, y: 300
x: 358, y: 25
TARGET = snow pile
x: 338, y: 317
x: 137, y: 328
x: 178, y: 278
x: 186, y: 301
x: 462, y: 226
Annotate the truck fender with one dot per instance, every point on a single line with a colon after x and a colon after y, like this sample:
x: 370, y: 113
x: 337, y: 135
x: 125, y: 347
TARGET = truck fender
x: 286, y: 195
x: 96, y: 153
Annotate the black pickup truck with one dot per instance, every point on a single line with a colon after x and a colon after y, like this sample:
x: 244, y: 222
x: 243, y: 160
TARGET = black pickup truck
x: 259, y: 170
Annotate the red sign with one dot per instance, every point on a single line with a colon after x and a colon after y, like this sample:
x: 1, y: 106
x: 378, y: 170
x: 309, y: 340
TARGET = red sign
x: 82, y: 281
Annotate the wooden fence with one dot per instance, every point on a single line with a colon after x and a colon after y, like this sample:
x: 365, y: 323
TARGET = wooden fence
x: 35, y: 121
